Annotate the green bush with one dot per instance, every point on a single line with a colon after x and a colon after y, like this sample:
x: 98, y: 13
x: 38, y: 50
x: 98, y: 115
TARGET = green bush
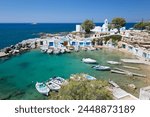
x: 83, y: 90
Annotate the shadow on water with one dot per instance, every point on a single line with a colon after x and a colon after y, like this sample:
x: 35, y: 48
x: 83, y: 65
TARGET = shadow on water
x: 4, y: 59
x: 11, y: 92
x: 5, y: 78
x: 15, y: 94
x: 24, y: 65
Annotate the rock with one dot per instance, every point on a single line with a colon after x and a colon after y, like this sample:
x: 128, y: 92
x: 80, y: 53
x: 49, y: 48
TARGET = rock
x: 132, y: 86
x: 7, y: 49
x: 33, y: 46
x: 17, y: 93
x: 12, y: 46
x: 6, y: 97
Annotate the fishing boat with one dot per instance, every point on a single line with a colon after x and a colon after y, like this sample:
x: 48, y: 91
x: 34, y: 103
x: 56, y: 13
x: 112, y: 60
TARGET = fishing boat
x: 90, y: 77
x: 101, y: 68
x: 56, y: 51
x: 68, y: 51
x: 91, y: 48
x: 114, y: 62
x: 49, y: 51
x: 34, y: 23
x: 62, y: 51
x: 42, y: 88
x: 89, y: 60
x: 58, y: 80
x: 52, y: 86
x: 43, y: 49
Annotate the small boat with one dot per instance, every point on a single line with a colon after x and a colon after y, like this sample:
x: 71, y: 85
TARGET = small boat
x: 52, y: 86
x: 56, y: 51
x: 58, y: 80
x: 34, y: 23
x: 49, y: 51
x: 68, y: 51
x: 42, y: 88
x: 91, y: 48
x: 88, y: 60
x: 90, y: 77
x: 114, y: 62
x: 62, y: 51
x: 43, y: 50
x: 113, y: 84
x: 101, y: 68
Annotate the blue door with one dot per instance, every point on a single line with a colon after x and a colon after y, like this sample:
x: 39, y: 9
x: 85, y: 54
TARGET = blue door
x: 51, y: 44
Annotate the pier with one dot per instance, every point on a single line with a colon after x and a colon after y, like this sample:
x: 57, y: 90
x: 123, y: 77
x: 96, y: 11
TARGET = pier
x: 125, y: 72
x: 134, y: 61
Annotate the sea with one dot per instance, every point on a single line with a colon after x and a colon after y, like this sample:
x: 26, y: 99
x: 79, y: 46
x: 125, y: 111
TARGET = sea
x: 19, y: 74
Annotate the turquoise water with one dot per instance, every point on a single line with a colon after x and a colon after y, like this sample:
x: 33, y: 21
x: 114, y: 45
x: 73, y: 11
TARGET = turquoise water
x: 19, y: 74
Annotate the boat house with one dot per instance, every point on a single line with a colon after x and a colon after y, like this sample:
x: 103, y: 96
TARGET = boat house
x: 138, y: 51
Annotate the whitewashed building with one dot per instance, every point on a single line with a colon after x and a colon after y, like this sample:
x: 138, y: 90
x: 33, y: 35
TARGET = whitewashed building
x: 138, y: 51
x: 79, y: 28
x: 81, y: 43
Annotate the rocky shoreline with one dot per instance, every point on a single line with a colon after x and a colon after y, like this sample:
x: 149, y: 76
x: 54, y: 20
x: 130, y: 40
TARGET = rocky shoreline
x: 19, y: 48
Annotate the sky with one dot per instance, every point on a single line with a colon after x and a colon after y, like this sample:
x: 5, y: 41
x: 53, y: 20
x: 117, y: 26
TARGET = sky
x: 72, y: 11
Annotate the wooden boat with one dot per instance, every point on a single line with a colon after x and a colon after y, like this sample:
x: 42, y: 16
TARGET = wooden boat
x: 101, y: 68
x: 90, y: 77
x: 88, y: 60
x: 53, y: 86
x: 49, y: 51
x: 114, y: 62
x: 42, y: 88
x: 58, y: 80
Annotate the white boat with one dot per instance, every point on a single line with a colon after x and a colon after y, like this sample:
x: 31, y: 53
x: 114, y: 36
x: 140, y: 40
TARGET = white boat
x: 56, y: 51
x: 43, y: 49
x: 114, y: 62
x: 90, y: 77
x: 42, y: 88
x: 68, y: 51
x: 101, y: 68
x: 62, y: 51
x: 91, y: 48
x: 58, y: 80
x: 88, y: 60
x: 34, y: 23
x: 53, y: 86
x: 49, y: 51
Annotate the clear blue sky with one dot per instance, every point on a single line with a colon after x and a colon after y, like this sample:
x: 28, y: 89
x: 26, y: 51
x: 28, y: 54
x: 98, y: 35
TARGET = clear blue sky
x: 72, y: 10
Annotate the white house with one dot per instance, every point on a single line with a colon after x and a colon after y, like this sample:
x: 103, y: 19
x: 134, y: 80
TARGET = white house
x: 79, y: 28
x: 81, y: 43
x: 136, y: 50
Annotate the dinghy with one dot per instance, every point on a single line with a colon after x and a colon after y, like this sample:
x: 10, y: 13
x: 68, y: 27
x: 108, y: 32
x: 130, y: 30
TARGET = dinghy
x: 90, y: 77
x: 58, y: 80
x: 101, y: 68
x: 52, y: 86
x: 42, y: 88
x: 114, y: 62
x: 88, y: 60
